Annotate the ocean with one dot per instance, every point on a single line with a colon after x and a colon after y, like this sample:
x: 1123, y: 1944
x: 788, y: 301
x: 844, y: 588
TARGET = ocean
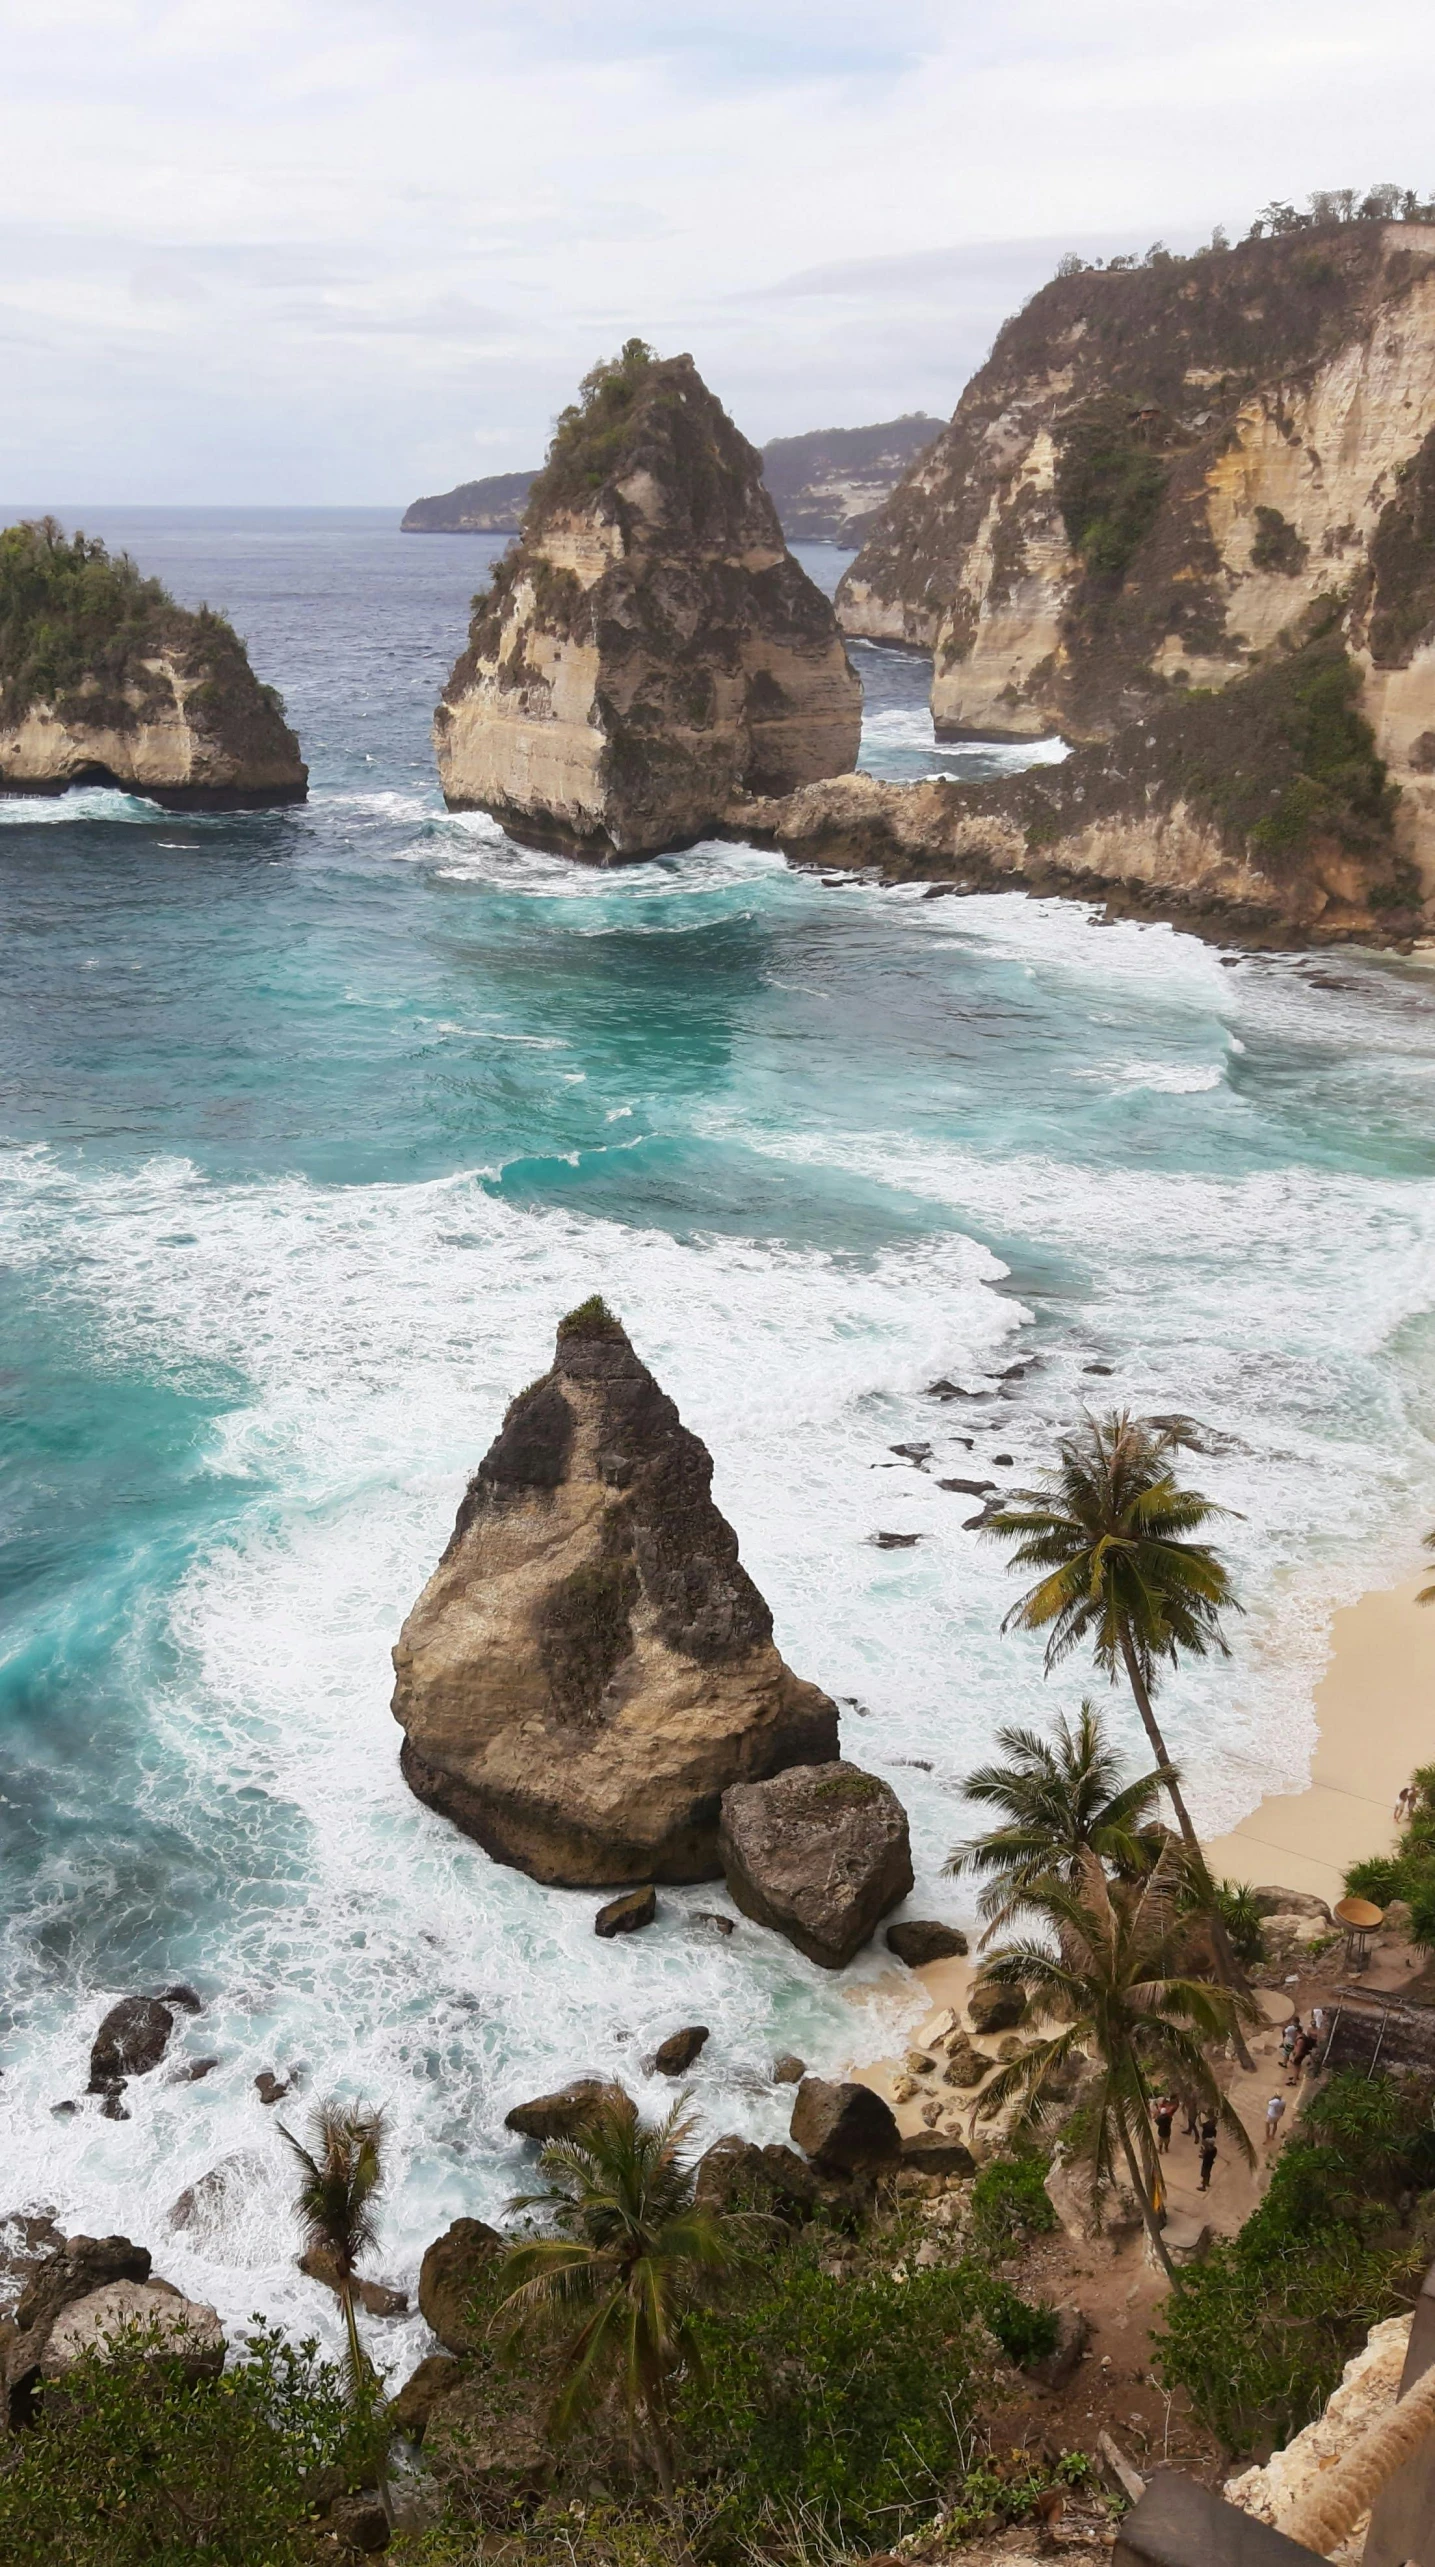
x: 312, y: 1125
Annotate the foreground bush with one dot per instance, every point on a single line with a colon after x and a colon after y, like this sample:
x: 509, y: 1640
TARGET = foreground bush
x: 1259, y: 2334
x: 847, y: 2399
x: 133, y: 2466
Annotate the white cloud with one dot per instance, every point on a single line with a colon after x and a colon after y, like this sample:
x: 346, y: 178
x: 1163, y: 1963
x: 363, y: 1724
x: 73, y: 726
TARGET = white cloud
x: 287, y: 249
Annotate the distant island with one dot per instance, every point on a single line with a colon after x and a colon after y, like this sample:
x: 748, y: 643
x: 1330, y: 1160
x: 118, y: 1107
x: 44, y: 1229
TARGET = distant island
x: 827, y: 486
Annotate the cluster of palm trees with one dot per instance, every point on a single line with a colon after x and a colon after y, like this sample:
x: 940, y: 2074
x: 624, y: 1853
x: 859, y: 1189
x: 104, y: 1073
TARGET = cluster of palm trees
x: 1121, y: 1906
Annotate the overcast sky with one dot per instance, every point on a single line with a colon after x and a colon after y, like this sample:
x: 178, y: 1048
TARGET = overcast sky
x: 352, y: 250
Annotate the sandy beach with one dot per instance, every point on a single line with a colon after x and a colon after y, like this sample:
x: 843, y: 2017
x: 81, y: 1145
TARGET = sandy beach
x: 1375, y: 1706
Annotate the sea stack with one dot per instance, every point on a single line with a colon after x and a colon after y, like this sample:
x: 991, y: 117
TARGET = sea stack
x: 590, y: 1667
x: 105, y: 680
x: 649, y: 652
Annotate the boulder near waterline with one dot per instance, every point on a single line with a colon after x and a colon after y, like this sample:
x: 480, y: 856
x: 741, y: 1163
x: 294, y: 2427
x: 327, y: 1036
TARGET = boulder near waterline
x: 844, y: 2129
x: 105, y: 680
x: 131, y: 2040
x: 918, y: 1940
x: 649, y: 650
x: 563, y: 2114
x: 819, y: 1853
x: 590, y: 1666
x: 994, y: 2008
x: 450, y: 2274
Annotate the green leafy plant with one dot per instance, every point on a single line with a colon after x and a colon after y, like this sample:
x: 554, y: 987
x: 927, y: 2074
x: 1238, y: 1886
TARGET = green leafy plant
x: 588, y: 438
x: 1010, y: 2199
x: 1058, y: 1797
x: 1109, y: 486
x: 135, y: 2465
x: 1242, y: 1919
x: 634, y: 2255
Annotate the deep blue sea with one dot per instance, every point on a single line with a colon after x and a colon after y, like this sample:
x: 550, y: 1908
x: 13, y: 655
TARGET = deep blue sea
x: 311, y: 1126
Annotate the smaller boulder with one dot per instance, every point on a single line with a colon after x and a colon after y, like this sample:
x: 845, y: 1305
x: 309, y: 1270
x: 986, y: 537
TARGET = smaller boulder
x: 789, y: 2070
x: 918, y: 1940
x: 436, y: 2377
x: 563, y: 2114
x: 1269, y: 1900
x: 1114, y: 2213
x: 376, y: 2298
x: 188, y: 2328
x: 191, y: 2071
x: 844, y: 2129
x: 936, y: 2152
x: 818, y: 1853
x: 491, y: 2437
x: 269, y: 2088
x: 966, y: 2066
x: 130, y: 2042
x: 676, y: 2055
x: 452, y: 2270
x: 706, y: 1920
x: 992, y: 2008
x: 1056, y: 2368
x: 736, y: 2174
x: 919, y: 2063
x: 626, y: 1914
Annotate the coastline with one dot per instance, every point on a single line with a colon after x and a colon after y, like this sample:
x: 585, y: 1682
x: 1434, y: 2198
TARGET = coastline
x: 1375, y: 1711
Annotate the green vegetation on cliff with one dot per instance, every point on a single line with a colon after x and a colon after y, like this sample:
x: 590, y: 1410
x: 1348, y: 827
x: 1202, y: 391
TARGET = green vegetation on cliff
x: 1258, y: 2334
x: 78, y: 625
x: 590, y: 432
x: 1109, y: 484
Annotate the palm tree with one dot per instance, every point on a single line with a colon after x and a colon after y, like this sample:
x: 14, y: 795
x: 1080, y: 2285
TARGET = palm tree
x: 634, y: 2253
x: 341, y: 2174
x: 1057, y: 1797
x: 1116, y: 1988
x: 1110, y: 1531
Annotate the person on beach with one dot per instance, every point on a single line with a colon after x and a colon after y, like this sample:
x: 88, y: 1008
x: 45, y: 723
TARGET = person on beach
x: 1299, y: 2055
x: 1317, y: 2020
x: 1405, y: 1806
x: 1165, y: 2111
x: 1289, y: 2037
x: 1208, y: 2154
x: 1274, y: 2110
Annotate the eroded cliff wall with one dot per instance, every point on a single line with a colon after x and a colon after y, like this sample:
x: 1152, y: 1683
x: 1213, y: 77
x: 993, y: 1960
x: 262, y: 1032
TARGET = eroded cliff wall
x: 649, y: 648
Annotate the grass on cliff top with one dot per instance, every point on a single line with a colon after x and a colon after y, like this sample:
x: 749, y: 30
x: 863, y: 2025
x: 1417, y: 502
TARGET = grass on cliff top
x: 71, y: 611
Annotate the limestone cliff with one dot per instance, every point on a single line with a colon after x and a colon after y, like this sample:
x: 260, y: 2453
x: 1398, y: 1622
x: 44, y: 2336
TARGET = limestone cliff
x: 105, y: 680
x: 491, y: 507
x: 590, y: 1666
x: 1161, y: 470
x: 829, y: 484
x: 649, y: 648
x: 1261, y: 815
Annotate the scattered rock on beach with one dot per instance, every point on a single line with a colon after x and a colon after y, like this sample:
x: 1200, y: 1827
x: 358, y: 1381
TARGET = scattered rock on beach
x: 936, y: 2152
x: 590, y: 1666
x: 993, y: 2008
x: 626, y: 1915
x: 842, y: 2128
x: 918, y: 1940
x: 966, y: 2066
x: 820, y: 1854
x: 130, y: 2041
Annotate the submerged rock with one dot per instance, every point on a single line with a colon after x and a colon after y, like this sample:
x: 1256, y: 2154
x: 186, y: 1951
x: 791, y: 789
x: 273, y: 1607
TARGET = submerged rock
x: 590, y: 1666
x: 675, y: 2056
x: 131, y: 2040
x: 819, y: 1853
x: 650, y: 649
x: 562, y: 2115
x: 105, y: 680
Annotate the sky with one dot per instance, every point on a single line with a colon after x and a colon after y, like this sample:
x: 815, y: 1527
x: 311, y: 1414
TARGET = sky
x: 341, y: 252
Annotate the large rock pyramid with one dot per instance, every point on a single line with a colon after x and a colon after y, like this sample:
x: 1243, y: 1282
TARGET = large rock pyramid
x: 590, y: 1666
x: 649, y: 651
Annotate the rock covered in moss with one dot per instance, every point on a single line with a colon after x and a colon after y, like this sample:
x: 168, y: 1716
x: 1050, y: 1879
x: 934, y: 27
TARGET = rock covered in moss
x: 590, y: 1666
x: 105, y: 680
x: 650, y: 649
x: 820, y: 1853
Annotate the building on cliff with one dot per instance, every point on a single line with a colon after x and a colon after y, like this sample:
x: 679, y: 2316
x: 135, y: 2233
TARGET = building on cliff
x: 1164, y: 475
x: 105, y: 680
x: 649, y: 650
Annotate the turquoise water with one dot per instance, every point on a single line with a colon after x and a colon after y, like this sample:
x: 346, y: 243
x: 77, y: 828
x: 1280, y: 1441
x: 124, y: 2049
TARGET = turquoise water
x: 314, y: 1123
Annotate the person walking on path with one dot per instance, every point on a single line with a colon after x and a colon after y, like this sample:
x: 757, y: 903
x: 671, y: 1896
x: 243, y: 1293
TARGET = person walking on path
x: 1290, y: 2034
x: 1274, y: 2110
x: 1165, y: 2113
x: 1208, y: 2155
x: 1192, y: 2123
x: 1299, y: 2054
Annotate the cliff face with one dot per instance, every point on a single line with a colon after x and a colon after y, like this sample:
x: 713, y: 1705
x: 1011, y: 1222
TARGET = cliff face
x: 829, y: 485
x: 104, y: 680
x: 649, y: 648
x: 1261, y: 815
x: 590, y: 1667
x: 491, y: 507
x: 1156, y: 474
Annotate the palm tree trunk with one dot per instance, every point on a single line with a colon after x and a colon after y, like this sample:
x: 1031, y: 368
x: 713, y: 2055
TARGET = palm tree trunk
x: 1138, y: 2186
x: 1226, y: 1970
x: 357, y: 2364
